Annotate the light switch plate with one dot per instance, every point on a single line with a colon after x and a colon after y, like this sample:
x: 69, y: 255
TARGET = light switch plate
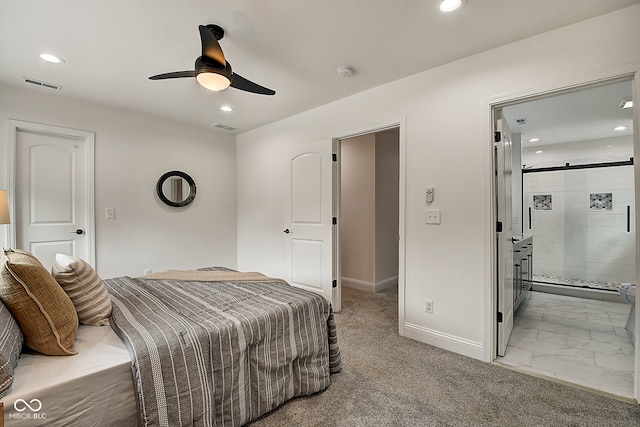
x: 433, y: 216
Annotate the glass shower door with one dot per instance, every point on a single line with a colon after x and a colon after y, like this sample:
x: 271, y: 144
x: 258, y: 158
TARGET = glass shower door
x: 583, y: 222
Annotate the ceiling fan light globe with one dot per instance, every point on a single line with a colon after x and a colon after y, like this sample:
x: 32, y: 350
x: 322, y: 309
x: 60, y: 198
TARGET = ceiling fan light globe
x: 213, y: 81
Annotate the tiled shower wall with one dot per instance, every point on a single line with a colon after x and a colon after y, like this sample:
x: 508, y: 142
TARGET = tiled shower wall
x: 580, y: 231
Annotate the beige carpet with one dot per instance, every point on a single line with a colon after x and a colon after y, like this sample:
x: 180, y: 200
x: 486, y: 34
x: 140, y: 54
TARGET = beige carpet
x: 388, y: 380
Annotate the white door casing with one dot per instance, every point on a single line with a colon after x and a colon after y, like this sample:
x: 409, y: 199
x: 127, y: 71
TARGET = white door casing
x: 310, y: 229
x: 336, y: 201
x: 504, y: 238
x: 53, y: 191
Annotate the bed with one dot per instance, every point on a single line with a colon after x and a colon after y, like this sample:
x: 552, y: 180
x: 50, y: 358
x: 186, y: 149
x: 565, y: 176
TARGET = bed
x: 204, y: 347
x: 93, y: 387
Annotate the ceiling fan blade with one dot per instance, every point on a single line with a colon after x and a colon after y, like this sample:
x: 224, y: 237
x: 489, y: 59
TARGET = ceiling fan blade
x: 173, y: 75
x: 210, y: 47
x: 239, y: 82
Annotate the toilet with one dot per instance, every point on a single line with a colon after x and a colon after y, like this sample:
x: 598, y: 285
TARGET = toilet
x: 628, y: 292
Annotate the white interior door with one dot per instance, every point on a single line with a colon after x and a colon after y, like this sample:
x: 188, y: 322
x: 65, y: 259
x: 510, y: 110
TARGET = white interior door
x: 504, y: 238
x: 309, y: 229
x: 54, y: 192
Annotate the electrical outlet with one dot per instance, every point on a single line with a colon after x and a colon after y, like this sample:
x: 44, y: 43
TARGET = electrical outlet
x: 147, y: 272
x: 428, y: 305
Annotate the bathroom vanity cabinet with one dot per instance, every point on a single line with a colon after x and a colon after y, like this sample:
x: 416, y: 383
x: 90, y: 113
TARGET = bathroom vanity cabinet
x: 522, y: 269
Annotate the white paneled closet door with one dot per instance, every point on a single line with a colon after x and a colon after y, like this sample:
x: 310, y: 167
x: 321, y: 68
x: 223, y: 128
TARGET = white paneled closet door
x: 54, y: 192
x: 309, y: 229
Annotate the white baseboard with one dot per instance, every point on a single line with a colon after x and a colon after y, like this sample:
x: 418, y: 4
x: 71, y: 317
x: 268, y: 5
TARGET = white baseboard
x: 367, y: 286
x: 386, y: 284
x: 359, y: 285
x: 448, y: 342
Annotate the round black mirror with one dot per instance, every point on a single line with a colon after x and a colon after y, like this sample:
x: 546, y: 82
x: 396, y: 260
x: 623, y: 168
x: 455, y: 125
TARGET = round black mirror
x: 176, y: 189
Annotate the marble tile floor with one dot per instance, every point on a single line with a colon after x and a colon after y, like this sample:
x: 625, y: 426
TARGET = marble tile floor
x: 575, y: 340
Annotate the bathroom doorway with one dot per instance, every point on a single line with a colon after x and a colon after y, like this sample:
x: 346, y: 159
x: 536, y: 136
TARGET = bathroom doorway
x: 578, y: 187
x: 573, y: 193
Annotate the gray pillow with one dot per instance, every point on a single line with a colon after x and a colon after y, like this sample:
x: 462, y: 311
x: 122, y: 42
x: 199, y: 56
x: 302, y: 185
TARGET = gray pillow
x: 11, y: 341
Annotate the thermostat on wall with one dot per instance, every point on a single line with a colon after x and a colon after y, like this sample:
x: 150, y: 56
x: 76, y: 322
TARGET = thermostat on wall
x: 429, y: 195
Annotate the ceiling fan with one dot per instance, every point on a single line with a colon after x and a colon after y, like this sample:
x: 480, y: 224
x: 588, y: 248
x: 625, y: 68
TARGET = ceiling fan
x: 212, y: 70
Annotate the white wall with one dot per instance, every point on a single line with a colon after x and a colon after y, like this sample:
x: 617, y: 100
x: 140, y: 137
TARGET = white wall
x: 517, y: 219
x: 131, y: 152
x: 387, y: 170
x: 357, y: 211
x: 446, y: 145
x: 579, y: 152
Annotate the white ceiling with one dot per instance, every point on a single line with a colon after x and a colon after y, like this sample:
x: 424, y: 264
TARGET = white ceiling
x: 586, y: 114
x: 110, y: 48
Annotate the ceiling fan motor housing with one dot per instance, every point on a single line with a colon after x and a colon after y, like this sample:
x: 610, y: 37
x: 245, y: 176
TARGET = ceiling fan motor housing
x: 205, y: 66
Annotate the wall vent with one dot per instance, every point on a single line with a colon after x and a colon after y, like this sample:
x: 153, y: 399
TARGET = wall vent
x: 220, y: 126
x: 522, y: 121
x: 41, y: 83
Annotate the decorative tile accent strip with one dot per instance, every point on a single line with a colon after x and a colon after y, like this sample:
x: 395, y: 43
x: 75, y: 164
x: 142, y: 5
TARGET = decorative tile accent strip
x: 542, y: 202
x: 601, y: 201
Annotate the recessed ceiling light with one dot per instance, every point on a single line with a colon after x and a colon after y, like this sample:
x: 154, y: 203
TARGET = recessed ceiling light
x: 54, y: 59
x: 627, y: 103
x: 447, y: 6
x: 539, y: 152
x: 619, y: 128
x: 534, y: 140
x: 226, y: 108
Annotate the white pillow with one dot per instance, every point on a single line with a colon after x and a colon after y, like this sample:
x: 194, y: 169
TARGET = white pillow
x: 85, y: 289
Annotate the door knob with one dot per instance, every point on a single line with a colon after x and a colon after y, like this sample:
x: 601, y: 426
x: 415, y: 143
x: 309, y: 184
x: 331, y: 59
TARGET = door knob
x: 287, y: 231
x: 78, y: 231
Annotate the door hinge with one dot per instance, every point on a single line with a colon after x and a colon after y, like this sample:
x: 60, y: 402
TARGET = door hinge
x: 497, y: 136
x: 334, y: 220
x: 499, y: 227
x: 334, y: 156
x: 499, y: 317
x: 334, y: 284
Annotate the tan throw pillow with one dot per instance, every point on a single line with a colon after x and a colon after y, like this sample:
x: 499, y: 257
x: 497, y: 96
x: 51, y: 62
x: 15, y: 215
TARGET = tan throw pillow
x: 85, y: 288
x: 41, y: 308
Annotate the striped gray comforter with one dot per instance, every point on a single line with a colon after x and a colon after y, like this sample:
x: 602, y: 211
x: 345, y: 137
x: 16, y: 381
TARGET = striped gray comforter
x: 222, y: 353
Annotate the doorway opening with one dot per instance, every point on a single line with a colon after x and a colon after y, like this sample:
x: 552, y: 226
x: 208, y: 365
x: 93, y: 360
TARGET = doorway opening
x: 572, y: 273
x: 368, y: 188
